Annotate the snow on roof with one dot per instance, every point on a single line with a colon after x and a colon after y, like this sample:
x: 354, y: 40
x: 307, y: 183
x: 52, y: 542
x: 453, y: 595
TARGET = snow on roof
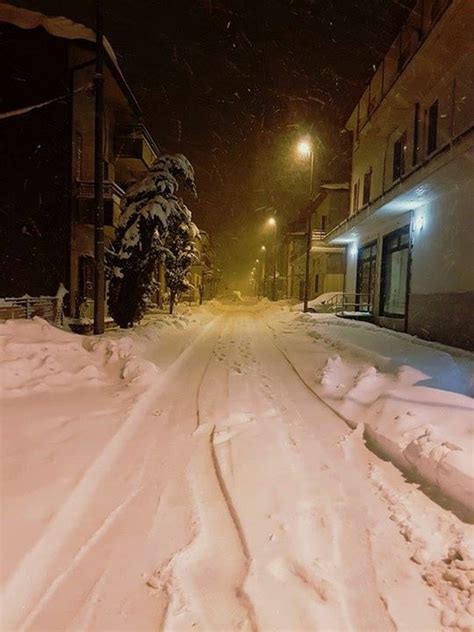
x: 62, y: 27
x: 58, y: 26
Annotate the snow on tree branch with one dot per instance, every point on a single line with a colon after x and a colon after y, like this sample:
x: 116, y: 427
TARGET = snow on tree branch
x: 149, y: 209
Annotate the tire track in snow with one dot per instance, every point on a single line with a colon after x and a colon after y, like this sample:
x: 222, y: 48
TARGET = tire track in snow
x: 238, y: 526
x: 32, y: 573
x: 378, y: 605
x: 208, y: 576
x: 219, y: 532
x: 76, y: 560
x: 278, y: 574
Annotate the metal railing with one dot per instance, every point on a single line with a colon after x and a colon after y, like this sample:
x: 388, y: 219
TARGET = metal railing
x: 85, y: 189
x: 349, y: 303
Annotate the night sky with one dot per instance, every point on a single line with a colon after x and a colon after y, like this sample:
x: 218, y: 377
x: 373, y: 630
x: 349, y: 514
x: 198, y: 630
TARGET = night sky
x: 233, y: 84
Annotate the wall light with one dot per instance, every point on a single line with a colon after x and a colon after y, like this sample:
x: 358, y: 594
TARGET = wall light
x: 419, y: 222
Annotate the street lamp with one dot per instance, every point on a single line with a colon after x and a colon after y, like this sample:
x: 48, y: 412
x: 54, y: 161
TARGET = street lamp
x: 273, y: 224
x: 263, y: 270
x: 305, y: 149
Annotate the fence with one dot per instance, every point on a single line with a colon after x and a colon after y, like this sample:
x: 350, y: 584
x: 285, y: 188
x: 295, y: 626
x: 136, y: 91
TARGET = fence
x: 48, y: 307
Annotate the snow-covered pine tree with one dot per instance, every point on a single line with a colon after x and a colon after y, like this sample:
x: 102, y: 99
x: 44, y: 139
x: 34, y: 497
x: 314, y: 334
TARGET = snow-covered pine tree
x: 148, y: 209
x: 179, y: 254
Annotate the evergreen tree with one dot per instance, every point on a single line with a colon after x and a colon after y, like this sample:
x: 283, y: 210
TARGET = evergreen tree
x: 149, y: 208
x: 179, y: 254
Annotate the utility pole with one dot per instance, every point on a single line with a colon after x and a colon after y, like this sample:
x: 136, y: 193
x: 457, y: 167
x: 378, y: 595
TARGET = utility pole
x: 274, y: 265
x: 99, y: 270
x: 308, y: 235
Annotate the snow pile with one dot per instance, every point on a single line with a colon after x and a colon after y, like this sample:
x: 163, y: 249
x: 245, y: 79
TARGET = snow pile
x: 443, y: 549
x: 424, y: 430
x: 413, y: 397
x: 37, y: 357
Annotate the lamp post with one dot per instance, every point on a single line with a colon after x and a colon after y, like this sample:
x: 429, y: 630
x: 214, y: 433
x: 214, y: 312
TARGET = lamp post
x: 257, y: 279
x: 254, y: 279
x: 264, y: 268
x: 273, y: 224
x: 305, y: 149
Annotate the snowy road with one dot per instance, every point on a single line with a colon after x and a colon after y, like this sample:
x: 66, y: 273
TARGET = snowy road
x: 232, y: 498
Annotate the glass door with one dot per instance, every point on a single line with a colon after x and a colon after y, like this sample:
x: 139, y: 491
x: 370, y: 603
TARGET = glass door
x: 395, y: 257
x: 366, y: 275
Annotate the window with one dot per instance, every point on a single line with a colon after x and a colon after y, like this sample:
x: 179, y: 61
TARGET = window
x: 416, y: 132
x: 86, y: 277
x: 316, y: 284
x: 399, y: 157
x: 78, y: 156
x: 366, y: 273
x: 323, y: 222
x: 366, y: 191
x: 395, y: 255
x: 432, y: 127
x: 355, y: 198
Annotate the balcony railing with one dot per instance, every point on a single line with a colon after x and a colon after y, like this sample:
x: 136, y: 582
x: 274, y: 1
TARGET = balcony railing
x: 135, y: 144
x: 318, y: 235
x: 85, y: 190
x: 347, y: 303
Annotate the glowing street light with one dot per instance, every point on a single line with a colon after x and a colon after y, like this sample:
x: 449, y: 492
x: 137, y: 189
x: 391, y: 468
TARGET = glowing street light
x: 272, y: 223
x: 305, y: 148
x: 263, y: 248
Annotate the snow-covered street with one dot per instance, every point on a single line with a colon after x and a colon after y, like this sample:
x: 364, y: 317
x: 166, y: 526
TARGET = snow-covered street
x: 193, y: 478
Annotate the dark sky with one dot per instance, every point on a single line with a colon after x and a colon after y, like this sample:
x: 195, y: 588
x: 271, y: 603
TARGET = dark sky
x: 233, y: 84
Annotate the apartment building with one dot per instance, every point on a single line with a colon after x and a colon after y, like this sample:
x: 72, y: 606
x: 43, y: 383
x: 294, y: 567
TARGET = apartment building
x: 327, y: 262
x: 204, y: 276
x: 409, y: 233
x: 47, y: 206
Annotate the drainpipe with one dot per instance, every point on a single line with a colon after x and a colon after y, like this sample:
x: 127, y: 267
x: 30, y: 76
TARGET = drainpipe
x: 99, y: 270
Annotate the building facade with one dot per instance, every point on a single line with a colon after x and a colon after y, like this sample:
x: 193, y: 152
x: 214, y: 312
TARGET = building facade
x: 327, y: 262
x: 204, y: 276
x: 48, y: 193
x: 409, y: 233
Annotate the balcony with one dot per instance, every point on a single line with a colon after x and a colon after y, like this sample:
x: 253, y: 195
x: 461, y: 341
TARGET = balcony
x: 318, y: 235
x: 135, y: 152
x: 84, y: 202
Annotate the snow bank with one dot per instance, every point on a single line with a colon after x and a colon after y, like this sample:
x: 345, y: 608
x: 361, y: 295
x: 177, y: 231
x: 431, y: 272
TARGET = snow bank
x: 37, y: 357
x: 412, y: 396
x: 447, y: 368
x: 423, y: 430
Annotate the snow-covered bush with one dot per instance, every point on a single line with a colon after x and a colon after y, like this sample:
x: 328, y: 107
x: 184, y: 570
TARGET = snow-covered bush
x: 148, y: 210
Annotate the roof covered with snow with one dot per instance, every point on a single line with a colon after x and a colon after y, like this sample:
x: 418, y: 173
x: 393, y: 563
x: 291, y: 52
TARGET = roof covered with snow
x: 62, y: 27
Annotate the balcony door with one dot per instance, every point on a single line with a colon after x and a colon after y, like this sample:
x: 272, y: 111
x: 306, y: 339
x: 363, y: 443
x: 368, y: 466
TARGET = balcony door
x: 366, y: 275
